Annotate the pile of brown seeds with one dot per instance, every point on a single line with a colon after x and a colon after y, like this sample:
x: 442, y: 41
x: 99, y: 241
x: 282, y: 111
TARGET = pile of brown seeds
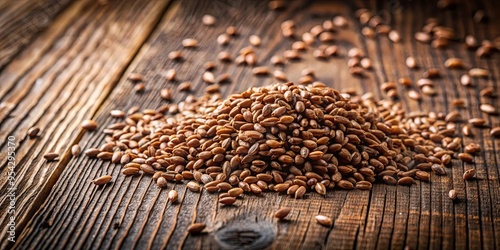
x: 283, y: 137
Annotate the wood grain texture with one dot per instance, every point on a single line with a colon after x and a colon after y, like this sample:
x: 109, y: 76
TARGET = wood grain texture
x: 22, y: 21
x: 134, y: 212
x: 43, y: 87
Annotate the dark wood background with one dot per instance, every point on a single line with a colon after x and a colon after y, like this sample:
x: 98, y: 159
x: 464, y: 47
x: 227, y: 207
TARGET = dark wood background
x: 62, y: 62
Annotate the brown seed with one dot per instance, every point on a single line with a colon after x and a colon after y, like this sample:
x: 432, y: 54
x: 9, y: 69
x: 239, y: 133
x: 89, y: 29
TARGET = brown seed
x: 438, y: 169
x: 282, y: 212
x: 117, y: 113
x: 196, y: 228
x: 488, y: 109
x: 102, y: 180
x: 431, y: 73
x: 193, y: 186
x: 477, y: 122
x: 495, y: 132
x: 389, y: 180
x: 254, y: 40
x: 422, y: 175
x: 320, y: 188
x: 227, y: 200
x: 232, y: 31
x: 280, y: 75
x: 347, y: 185
x: 340, y: 21
x: 136, y: 77
x: 407, y: 181
x: 479, y: 73
x: 171, y: 74
x: 223, y: 39
x: 324, y: 220
x: 422, y: 37
x: 469, y: 174
x: 413, y: 94
x: 452, y: 194
x: 466, y: 130
x: 224, y: 56
x: 454, y: 63
x: 363, y: 185
x: 411, y: 62
x: 190, y: 43
x: 139, y: 87
x: 480, y: 16
x: 175, y: 55
x: 208, y: 77
x: 51, y: 156
x: 89, y: 125
x: 173, y: 196
x: 466, y: 157
x: 466, y: 80
x: 366, y: 63
x: 130, y: 171
x: 262, y: 70
x: 235, y: 192
x: 487, y: 92
x: 277, y: 60
x: 161, y: 182
x: 33, y: 132
x: 300, y: 192
x: 166, y: 94
x: 184, y: 86
x: 394, y: 36
x: 208, y: 20
x: 75, y: 150
x: 92, y: 152
x: 471, y: 42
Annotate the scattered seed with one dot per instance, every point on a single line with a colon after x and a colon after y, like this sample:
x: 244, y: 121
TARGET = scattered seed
x: 51, y: 156
x: 33, y: 132
x: 102, y: 180
x: 175, y: 55
x: 488, y: 109
x: 190, y: 43
x: 478, y: 72
x: 282, y: 212
x: 469, y: 174
x: 173, y: 196
x: 223, y: 39
x: 454, y: 63
x: 171, y: 74
x: 75, y: 150
x: 232, y: 31
x: 411, y: 62
x: 136, y: 77
x: 196, y: 228
x: 208, y: 77
x: 262, y: 70
x: 89, y: 125
x: 324, y: 220
x: 495, y: 132
x: 452, y: 194
x: 254, y: 40
x: 394, y: 36
x: 208, y: 20
x: 161, y: 182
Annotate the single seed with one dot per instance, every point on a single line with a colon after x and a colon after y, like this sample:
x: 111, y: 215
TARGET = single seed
x: 171, y: 74
x: 363, y: 185
x: 161, y: 182
x: 33, y: 132
x: 136, y: 77
x: 454, y: 63
x: 173, y: 196
x: 51, y: 156
x: 224, y: 56
x: 184, y: 86
x: 166, y: 94
x: 487, y: 92
x: 407, y: 181
x: 488, y: 109
x: 227, y: 200
x: 175, y: 55
x: 394, y: 36
x: 190, y: 43
x: 208, y: 77
x: 465, y: 157
x: 223, y: 39
x: 477, y: 122
x: 89, y: 125
x: 196, y: 228
x: 254, y: 40
x: 262, y: 70
x: 466, y: 80
x: 478, y: 73
x: 340, y: 21
x: 422, y: 37
x: 208, y: 20
x: 469, y: 174
x: 324, y: 220
x: 411, y: 62
x: 75, y: 150
x: 139, y: 87
x: 235, y: 192
x: 102, y: 180
x: 452, y: 194
x: 495, y: 132
x: 117, y: 113
x: 193, y: 186
x: 282, y: 212
x: 208, y: 66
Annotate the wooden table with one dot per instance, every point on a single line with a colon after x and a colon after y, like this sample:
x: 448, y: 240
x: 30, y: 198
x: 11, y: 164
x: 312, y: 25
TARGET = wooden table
x: 62, y: 62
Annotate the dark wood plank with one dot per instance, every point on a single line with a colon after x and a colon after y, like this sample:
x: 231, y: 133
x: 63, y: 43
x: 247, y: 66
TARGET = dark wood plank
x: 22, y: 21
x: 43, y: 88
x: 134, y: 213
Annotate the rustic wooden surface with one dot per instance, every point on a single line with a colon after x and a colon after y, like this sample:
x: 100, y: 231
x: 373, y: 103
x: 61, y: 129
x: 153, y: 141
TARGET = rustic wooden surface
x: 74, y: 67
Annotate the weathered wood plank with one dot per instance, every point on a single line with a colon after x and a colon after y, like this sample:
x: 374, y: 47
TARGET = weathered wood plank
x: 21, y: 21
x: 133, y: 212
x: 51, y: 83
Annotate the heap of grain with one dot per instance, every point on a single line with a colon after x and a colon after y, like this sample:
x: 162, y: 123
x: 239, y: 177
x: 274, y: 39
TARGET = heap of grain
x: 283, y: 137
